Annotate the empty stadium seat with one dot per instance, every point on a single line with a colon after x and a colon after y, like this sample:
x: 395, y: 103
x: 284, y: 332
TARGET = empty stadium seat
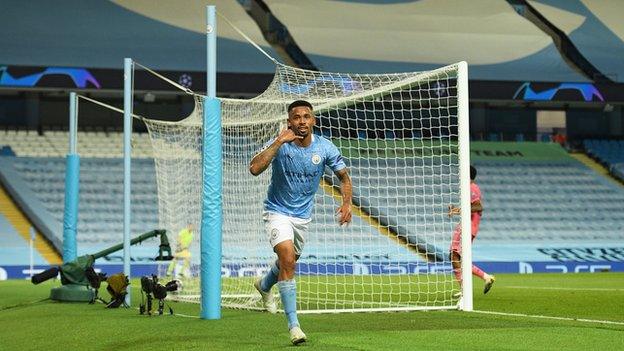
x: 534, y: 202
x: 90, y: 144
x: 607, y: 152
x: 101, y: 195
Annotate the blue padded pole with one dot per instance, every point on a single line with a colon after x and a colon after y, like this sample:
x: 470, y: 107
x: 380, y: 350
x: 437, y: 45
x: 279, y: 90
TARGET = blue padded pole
x: 72, y: 176
x: 212, y: 185
x: 126, y: 143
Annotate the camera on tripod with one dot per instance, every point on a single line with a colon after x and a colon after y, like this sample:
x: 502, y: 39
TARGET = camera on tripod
x: 154, y: 290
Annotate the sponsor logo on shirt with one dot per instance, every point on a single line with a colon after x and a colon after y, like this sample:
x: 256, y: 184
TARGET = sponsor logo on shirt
x: 301, y: 176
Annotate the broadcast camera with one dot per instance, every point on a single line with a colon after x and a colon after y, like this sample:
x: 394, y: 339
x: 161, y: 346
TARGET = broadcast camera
x: 153, y: 289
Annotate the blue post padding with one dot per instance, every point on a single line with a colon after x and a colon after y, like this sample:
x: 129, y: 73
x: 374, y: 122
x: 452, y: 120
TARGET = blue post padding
x: 70, y: 217
x: 212, y: 215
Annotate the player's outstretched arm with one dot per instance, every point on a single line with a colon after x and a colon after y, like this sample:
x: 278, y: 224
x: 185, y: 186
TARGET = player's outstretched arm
x: 346, y: 189
x: 474, y: 207
x: 262, y: 160
x: 453, y: 210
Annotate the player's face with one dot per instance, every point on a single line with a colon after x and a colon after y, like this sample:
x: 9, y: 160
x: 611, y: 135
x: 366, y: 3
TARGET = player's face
x: 301, y: 120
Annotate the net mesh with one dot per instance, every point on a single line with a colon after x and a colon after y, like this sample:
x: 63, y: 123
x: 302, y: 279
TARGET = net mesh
x: 398, y: 134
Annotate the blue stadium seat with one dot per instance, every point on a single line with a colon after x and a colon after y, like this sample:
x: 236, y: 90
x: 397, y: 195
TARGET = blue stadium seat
x: 541, y: 203
x: 100, y: 204
x: 608, y: 152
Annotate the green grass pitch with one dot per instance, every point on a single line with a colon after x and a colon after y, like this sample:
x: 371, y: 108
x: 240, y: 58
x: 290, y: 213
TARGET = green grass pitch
x: 583, y: 301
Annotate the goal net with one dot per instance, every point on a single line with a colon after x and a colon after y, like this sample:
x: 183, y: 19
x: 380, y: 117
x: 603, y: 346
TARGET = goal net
x: 398, y: 134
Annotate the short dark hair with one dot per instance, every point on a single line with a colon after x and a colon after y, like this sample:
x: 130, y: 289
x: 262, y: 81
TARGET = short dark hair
x: 473, y: 173
x: 299, y: 103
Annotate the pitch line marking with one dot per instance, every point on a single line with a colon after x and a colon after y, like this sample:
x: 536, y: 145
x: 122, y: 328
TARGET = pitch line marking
x: 550, y: 317
x: 557, y: 288
x: 505, y: 314
x: 185, y: 315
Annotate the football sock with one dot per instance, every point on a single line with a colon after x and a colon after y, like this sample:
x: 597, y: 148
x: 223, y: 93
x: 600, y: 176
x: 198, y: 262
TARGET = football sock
x: 270, y: 278
x: 288, y: 293
x: 478, y: 272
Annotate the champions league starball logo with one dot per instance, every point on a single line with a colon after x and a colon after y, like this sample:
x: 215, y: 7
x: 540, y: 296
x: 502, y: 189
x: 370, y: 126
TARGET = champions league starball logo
x: 186, y: 80
x: 81, y: 77
x: 440, y: 89
x: 549, y: 92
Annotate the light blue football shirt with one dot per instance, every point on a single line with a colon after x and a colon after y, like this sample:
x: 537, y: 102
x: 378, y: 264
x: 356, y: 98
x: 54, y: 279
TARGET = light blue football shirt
x: 297, y: 172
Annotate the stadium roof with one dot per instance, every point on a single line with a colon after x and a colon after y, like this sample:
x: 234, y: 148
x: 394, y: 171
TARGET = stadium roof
x: 600, y: 37
x: 375, y: 36
x: 161, y: 34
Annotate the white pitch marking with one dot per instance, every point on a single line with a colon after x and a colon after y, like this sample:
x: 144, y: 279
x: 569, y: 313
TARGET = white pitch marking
x: 550, y: 317
x: 557, y: 288
x: 185, y: 315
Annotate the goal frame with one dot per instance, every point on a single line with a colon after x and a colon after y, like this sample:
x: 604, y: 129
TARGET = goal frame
x: 212, y: 172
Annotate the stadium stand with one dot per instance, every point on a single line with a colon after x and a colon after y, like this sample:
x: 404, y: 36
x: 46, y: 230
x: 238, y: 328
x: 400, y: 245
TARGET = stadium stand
x: 62, y: 34
x: 36, y: 177
x: 39, y: 172
x: 581, y: 208
x: 599, y: 37
x: 38, y: 184
x: 101, y: 205
x: 618, y: 171
x: 421, y: 35
x: 608, y: 152
x: 13, y: 248
x: 99, y: 144
x: 534, y: 202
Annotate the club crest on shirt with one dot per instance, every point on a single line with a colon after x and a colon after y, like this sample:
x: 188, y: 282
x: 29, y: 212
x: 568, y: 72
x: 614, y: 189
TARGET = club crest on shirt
x: 274, y: 233
x: 316, y: 159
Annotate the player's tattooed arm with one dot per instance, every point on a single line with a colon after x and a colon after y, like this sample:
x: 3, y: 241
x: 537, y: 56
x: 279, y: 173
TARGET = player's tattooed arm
x: 262, y: 160
x: 346, y: 189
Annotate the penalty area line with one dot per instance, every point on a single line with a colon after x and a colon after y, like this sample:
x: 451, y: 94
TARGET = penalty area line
x: 584, y: 320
